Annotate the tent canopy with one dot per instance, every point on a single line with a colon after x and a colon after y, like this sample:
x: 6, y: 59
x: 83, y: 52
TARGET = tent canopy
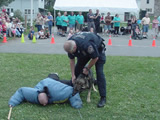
x: 113, y: 6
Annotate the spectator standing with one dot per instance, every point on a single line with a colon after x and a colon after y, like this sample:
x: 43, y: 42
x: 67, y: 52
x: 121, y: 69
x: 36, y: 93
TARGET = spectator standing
x: 90, y: 20
x: 64, y: 23
x: 145, y: 22
x: 39, y: 21
x: 80, y: 21
x: 50, y: 22
x: 155, y: 23
x: 72, y: 21
x: 107, y: 27
x: 158, y: 25
x: 45, y: 20
x: 59, y: 23
x: 116, y: 21
x: 97, y: 21
x: 133, y: 25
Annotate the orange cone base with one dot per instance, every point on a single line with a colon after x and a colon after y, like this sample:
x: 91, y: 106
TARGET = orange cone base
x: 109, y: 42
x: 52, y: 41
x: 130, y: 43
x: 4, y: 40
x: 154, y: 43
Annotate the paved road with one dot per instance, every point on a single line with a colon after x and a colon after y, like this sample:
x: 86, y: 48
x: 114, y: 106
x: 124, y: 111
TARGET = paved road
x: 119, y: 46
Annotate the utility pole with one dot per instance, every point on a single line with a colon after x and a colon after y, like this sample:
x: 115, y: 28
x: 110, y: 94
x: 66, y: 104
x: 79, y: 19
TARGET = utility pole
x: 31, y: 12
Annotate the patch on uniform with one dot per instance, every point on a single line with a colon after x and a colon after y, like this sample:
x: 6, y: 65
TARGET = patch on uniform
x: 90, y: 49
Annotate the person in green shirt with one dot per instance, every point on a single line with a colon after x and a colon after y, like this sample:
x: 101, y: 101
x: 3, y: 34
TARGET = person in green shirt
x: 64, y: 23
x: 72, y: 20
x: 59, y: 23
x: 80, y: 21
x: 116, y: 22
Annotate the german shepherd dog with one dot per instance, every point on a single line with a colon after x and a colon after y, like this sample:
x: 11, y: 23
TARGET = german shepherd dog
x: 84, y: 82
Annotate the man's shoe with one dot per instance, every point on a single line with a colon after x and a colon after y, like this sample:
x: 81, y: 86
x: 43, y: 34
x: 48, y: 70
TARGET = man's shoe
x: 102, y: 102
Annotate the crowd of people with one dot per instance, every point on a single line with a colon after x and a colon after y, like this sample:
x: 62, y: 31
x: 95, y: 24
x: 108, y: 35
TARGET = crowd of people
x: 76, y: 23
x: 110, y: 24
x: 9, y: 25
x: 44, y: 26
x: 140, y: 27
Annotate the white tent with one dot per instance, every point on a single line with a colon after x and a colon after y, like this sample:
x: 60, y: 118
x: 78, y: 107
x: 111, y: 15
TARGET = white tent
x: 113, y: 6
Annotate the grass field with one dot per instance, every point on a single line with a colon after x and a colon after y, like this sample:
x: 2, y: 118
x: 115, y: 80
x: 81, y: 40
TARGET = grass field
x: 133, y: 88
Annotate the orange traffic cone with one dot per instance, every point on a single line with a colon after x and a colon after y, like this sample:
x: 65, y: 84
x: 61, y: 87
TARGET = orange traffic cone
x: 130, y: 41
x: 109, y: 41
x: 154, y: 42
x: 4, y: 38
x: 52, y: 40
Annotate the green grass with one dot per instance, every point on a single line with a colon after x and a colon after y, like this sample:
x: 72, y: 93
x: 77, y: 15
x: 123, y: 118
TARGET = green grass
x: 132, y: 88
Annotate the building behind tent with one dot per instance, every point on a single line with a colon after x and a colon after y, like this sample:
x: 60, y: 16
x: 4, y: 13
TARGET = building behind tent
x: 25, y: 7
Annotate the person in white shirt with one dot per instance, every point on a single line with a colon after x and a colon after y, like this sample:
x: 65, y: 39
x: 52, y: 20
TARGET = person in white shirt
x: 41, y: 34
x: 145, y: 23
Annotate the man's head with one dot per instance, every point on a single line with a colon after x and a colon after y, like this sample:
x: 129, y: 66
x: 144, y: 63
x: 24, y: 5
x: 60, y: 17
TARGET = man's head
x: 108, y: 13
x: 72, y: 13
x: 59, y: 14
x: 43, y: 99
x: 97, y: 11
x: 80, y: 13
x: 147, y: 15
x: 65, y: 13
x: 49, y: 13
x: 70, y: 46
x: 90, y: 11
x: 155, y: 17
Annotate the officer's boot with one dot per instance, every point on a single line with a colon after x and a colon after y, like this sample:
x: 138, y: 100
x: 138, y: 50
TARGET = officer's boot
x: 102, y: 102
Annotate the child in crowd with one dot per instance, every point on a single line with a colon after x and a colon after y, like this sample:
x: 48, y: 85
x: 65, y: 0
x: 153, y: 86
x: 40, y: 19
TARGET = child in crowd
x: 47, y: 32
x: 71, y: 33
x: 41, y: 34
x: 31, y: 33
x: 137, y: 31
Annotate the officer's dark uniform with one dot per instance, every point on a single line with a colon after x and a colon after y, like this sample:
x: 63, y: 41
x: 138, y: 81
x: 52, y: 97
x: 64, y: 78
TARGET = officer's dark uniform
x: 90, y: 46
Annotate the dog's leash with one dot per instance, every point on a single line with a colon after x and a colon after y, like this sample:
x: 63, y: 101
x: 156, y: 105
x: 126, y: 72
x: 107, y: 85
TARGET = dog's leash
x: 80, y: 114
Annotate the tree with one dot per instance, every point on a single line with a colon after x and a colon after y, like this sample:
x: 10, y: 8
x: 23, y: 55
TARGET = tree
x: 18, y: 14
x: 49, y: 5
x: 5, y: 2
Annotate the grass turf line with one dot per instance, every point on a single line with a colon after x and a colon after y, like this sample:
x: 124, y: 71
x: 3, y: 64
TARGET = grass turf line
x: 132, y: 88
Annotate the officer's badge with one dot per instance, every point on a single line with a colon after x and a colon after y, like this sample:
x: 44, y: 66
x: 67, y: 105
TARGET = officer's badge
x: 90, y: 49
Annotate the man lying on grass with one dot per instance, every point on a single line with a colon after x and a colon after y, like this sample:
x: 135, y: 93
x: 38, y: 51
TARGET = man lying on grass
x: 47, y: 91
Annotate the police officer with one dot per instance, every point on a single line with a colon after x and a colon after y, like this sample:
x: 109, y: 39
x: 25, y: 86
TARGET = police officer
x: 89, y: 50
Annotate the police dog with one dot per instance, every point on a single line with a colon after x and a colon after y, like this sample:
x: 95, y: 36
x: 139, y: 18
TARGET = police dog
x: 84, y: 82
